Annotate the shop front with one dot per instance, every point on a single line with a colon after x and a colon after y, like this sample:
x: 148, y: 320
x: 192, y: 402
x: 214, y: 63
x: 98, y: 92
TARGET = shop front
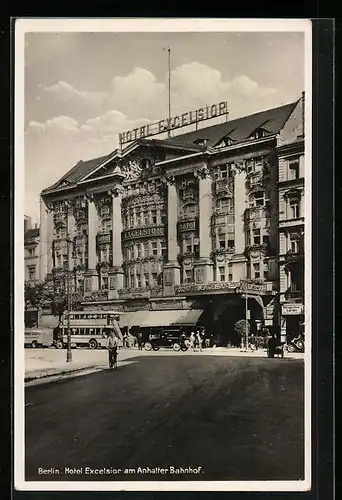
x: 292, y: 322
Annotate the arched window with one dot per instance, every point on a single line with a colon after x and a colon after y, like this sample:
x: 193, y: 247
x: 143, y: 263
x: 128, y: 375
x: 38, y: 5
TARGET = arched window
x: 61, y: 232
x: 258, y: 199
x: 190, y: 210
x: 225, y: 205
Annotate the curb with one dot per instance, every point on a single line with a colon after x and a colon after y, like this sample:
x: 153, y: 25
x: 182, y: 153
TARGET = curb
x: 59, y: 375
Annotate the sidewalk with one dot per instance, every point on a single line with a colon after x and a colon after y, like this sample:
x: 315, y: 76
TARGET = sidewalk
x: 49, y: 362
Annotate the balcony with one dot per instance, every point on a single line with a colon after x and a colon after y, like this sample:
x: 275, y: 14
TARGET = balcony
x: 104, y: 237
x: 292, y: 257
x: 220, y: 218
x: 257, y: 213
x: 291, y: 222
x: 254, y: 179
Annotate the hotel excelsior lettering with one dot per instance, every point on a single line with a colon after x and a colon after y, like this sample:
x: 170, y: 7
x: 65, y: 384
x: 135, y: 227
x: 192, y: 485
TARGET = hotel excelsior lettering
x: 175, y: 122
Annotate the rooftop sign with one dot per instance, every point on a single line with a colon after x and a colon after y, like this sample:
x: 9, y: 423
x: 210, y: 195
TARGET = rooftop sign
x: 183, y: 120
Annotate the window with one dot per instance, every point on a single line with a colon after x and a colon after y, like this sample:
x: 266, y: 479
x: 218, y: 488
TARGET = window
x: 153, y: 217
x: 139, y: 253
x: 222, y: 240
x: 154, y: 248
x: 154, y: 279
x: 230, y: 272
x: 163, y: 246
x: 296, y: 278
x: 104, y: 254
x: 294, y: 244
x: 146, y: 280
x: 222, y: 273
x: 248, y: 238
x: 266, y: 239
x: 146, y: 250
x: 105, y: 211
x: 188, y: 276
x: 138, y: 280
x: 106, y: 225
x: 225, y: 205
x: 32, y: 272
x: 132, y: 283
x: 249, y: 166
x: 146, y: 217
x: 294, y: 169
x: 104, y: 283
x: 257, y: 199
x: 130, y: 251
x: 190, y: 210
x: 294, y: 208
x: 162, y: 217
x: 187, y: 245
x: 61, y: 233
x: 223, y: 172
x: 31, y: 252
x: 131, y: 218
x: 138, y: 219
x: 256, y: 236
x: 256, y: 270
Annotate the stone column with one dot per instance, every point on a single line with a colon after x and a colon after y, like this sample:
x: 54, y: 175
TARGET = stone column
x: 239, y: 260
x: 91, y: 275
x: 171, y: 269
x: 116, y: 278
x: 203, y: 268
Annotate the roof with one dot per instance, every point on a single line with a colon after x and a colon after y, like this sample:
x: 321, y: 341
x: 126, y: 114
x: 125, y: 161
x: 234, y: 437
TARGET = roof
x: 77, y: 172
x: 31, y: 233
x: 271, y: 120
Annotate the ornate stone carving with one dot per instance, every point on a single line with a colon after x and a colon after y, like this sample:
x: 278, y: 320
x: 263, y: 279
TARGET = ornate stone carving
x: 202, y: 172
x: 168, y: 179
x: 199, y: 275
x: 132, y: 170
x: 168, y: 278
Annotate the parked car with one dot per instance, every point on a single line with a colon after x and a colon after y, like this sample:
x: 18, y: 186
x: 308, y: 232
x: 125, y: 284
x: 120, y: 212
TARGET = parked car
x: 174, y: 339
x: 38, y: 337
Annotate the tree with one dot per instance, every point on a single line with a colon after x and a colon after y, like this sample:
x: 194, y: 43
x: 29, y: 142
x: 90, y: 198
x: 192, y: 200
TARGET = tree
x: 52, y: 293
x: 240, y: 329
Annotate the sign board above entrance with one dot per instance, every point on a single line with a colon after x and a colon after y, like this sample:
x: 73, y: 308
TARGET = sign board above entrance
x: 183, y: 120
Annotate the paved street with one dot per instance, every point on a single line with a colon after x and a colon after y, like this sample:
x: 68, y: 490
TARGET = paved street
x: 236, y: 418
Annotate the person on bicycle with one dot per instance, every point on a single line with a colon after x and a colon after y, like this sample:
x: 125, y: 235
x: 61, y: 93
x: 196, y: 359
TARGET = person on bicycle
x: 112, y: 347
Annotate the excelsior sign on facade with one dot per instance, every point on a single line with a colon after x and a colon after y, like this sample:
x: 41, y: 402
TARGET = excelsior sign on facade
x: 175, y: 122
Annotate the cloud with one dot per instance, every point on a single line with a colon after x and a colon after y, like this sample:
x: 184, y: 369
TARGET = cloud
x: 84, y: 124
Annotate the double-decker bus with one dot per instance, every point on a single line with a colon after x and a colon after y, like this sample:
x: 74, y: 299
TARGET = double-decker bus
x: 87, y: 328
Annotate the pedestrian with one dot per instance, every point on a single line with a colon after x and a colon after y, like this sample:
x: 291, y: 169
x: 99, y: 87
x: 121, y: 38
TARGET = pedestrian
x: 140, y: 341
x: 192, y: 341
x: 112, y: 346
x: 207, y: 342
x: 199, y: 340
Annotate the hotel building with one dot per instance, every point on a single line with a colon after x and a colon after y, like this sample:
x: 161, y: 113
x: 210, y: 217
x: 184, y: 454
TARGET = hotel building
x: 188, y: 223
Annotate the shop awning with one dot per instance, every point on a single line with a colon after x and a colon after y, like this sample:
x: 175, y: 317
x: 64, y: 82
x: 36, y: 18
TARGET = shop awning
x: 178, y: 317
x: 132, y: 318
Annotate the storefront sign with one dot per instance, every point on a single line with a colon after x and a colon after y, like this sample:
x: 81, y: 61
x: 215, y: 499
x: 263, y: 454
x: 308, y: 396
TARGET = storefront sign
x: 132, y: 234
x: 292, y: 309
x: 252, y: 288
x: 190, y: 225
x: 175, y: 122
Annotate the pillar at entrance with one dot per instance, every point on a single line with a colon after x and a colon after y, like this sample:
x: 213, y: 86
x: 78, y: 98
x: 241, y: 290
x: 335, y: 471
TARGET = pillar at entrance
x: 116, y: 274
x: 171, y: 270
x: 203, y: 268
x: 91, y: 280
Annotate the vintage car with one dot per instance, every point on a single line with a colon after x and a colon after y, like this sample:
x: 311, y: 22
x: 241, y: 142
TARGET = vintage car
x: 174, y: 339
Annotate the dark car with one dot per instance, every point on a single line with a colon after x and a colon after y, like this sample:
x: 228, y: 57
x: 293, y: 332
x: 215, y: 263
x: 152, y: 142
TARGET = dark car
x: 168, y: 338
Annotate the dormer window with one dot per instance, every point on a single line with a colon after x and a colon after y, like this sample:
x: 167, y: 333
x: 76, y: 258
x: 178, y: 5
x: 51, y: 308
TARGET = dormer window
x: 201, y: 142
x: 226, y: 141
x: 258, y: 133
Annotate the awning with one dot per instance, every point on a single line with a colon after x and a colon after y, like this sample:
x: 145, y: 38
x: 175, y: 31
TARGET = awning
x: 132, y: 318
x: 178, y: 317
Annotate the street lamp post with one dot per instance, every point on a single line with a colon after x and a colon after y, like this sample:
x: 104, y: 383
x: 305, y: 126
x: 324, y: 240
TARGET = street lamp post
x: 246, y: 322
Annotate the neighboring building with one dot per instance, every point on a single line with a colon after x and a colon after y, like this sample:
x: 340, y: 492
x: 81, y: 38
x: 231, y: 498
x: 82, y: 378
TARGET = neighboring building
x: 291, y: 231
x: 183, y: 223
x: 31, y: 251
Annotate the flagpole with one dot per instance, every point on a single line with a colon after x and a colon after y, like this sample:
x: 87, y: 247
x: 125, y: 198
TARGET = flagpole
x: 169, y: 67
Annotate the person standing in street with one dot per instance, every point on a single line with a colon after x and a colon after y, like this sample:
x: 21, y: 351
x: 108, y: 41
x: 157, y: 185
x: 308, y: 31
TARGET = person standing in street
x: 112, y: 347
x: 192, y: 341
x: 199, y: 340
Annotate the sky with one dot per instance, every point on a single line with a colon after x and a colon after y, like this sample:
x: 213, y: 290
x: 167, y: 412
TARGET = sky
x: 83, y: 89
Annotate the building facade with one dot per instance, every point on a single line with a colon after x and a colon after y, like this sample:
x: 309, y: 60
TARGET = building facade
x: 191, y: 222
x: 31, y: 252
